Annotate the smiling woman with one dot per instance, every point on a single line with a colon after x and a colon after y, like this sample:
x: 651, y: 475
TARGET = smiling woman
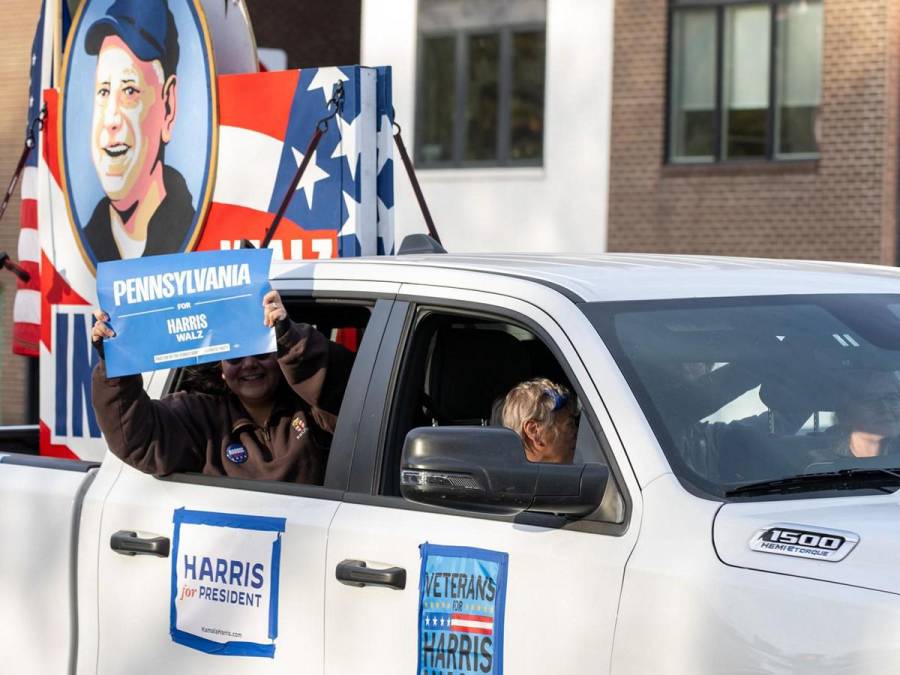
x: 273, y: 418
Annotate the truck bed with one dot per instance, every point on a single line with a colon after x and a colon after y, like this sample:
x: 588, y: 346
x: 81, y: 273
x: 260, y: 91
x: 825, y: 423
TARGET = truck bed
x: 40, y: 507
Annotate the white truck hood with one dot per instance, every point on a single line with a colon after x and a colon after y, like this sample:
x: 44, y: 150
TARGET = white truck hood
x: 814, y: 538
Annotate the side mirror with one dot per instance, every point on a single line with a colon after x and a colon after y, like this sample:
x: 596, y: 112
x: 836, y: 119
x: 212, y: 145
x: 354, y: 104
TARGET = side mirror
x: 484, y: 469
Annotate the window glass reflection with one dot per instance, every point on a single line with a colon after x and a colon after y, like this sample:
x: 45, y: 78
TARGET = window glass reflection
x: 746, y: 81
x: 693, y: 85
x: 438, y: 101
x: 527, y: 105
x: 799, y: 63
x: 481, y: 103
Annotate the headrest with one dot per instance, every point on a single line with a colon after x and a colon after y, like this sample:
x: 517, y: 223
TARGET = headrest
x: 470, y: 368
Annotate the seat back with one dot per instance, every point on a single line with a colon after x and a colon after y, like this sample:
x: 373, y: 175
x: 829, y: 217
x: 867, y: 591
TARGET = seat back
x: 468, y: 369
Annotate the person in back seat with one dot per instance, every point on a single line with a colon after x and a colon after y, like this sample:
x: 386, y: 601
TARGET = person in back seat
x: 545, y: 416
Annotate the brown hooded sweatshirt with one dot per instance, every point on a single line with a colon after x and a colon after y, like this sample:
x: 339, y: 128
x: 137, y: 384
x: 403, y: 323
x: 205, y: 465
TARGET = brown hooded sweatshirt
x: 215, y: 435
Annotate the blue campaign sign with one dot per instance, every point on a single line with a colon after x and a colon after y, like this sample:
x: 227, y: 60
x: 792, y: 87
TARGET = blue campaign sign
x: 225, y: 575
x: 184, y: 309
x: 462, y: 605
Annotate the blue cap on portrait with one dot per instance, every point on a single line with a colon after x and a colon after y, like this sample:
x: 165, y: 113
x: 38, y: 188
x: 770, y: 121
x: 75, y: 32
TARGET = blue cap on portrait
x: 146, y: 26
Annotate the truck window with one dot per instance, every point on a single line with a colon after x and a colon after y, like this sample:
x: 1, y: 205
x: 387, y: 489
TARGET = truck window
x: 747, y: 391
x: 457, y: 369
x: 342, y: 321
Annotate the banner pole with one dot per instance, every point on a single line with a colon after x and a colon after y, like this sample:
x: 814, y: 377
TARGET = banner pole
x: 411, y: 172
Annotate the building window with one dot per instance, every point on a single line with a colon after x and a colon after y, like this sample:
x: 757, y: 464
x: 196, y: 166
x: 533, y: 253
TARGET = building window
x: 745, y: 80
x: 480, y: 83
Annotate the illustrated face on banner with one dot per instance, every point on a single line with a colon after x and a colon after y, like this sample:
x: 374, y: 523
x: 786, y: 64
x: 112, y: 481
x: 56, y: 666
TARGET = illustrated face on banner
x: 137, y: 95
x: 134, y: 112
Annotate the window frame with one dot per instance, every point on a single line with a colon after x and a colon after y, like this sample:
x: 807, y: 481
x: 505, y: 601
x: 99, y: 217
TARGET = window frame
x: 366, y: 484
x: 771, y: 155
x: 461, y: 91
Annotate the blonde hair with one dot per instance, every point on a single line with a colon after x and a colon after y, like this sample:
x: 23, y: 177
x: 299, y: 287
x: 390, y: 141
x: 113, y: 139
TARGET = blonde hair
x: 534, y: 400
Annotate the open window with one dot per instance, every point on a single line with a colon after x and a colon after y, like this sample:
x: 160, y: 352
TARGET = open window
x: 456, y: 371
x: 343, y: 321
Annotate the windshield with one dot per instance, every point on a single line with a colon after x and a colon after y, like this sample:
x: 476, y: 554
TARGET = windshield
x: 744, y: 390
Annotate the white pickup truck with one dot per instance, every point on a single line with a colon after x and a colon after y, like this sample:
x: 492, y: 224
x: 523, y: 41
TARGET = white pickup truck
x: 731, y: 508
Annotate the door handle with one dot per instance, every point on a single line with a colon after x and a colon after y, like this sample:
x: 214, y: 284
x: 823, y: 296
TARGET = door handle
x: 128, y: 543
x: 356, y: 573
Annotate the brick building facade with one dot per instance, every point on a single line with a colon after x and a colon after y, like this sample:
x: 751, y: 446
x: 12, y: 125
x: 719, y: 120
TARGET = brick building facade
x: 841, y: 206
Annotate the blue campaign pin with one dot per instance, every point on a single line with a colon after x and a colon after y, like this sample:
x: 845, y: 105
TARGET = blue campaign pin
x: 236, y: 453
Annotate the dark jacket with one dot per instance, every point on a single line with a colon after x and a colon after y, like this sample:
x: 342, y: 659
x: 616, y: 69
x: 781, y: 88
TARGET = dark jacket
x: 167, y: 231
x: 210, y: 434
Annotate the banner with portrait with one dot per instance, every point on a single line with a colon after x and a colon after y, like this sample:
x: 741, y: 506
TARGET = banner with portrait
x: 147, y: 149
x: 138, y: 127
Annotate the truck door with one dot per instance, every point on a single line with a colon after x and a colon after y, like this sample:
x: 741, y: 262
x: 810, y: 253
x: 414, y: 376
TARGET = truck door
x: 256, y: 549
x: 496, y: 594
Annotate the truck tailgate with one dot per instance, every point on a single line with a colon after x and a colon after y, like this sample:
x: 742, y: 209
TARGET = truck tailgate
x: 40, y: 503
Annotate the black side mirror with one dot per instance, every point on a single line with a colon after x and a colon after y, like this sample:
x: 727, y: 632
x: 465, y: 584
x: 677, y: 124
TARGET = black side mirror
x: 484, y: 469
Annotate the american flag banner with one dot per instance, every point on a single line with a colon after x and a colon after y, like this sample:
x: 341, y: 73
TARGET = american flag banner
x: 27, y: 306
x: 265, y: 123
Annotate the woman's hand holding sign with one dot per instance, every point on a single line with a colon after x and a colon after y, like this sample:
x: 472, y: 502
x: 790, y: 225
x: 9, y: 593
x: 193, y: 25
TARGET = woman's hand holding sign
x: 100, y: 328
x: 273, y: 309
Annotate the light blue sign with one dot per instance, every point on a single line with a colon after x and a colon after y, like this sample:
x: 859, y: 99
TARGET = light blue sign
x: 183, y: 309
x: 462, y: 603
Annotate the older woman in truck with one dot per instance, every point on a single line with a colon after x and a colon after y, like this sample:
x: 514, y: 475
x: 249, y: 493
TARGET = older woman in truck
x: 545, y: 416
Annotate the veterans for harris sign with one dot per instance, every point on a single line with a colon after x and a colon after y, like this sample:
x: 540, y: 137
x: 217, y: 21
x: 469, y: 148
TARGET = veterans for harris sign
x: 184, y: 309
x: 462, y: 605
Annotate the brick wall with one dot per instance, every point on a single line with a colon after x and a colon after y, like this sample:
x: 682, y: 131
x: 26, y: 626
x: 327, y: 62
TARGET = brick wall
x: 842, y: 207
x: 19, y: 21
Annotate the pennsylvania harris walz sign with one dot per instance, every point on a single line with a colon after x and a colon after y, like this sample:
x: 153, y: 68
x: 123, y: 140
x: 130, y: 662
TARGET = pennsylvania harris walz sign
x: 184, y: 309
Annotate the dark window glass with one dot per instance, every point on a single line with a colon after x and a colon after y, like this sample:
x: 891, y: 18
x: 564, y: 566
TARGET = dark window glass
x: 744, y: 80
x: 482, y: 99
x: 480, y: 96
x: 799, y: 60
x: 438, y: 98
x: 527, y: 105
x: 744, y: 390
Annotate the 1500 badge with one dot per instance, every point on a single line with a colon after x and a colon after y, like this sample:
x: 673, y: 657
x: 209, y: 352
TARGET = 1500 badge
x: 802, y: 542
